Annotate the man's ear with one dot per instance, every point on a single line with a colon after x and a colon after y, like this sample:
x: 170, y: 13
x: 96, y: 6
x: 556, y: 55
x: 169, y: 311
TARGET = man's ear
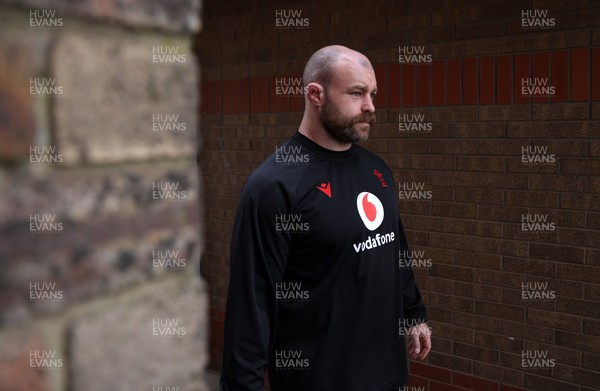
x: 315, y: 93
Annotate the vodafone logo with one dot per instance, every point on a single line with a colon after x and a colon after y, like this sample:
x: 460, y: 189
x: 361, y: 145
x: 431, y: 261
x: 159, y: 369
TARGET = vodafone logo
x: 370, y: 210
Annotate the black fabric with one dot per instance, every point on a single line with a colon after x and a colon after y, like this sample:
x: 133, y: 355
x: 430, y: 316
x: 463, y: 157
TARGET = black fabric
x: 318, y: 301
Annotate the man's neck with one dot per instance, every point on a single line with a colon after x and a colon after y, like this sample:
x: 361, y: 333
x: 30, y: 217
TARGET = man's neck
x: 316, y: 133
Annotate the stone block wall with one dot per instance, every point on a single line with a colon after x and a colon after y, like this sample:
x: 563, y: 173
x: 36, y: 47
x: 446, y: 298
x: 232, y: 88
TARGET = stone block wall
x: 100, y: 224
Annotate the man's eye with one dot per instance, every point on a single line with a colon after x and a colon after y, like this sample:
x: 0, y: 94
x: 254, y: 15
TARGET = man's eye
x: 356, y: 93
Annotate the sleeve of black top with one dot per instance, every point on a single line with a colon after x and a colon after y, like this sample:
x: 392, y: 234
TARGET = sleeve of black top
x: 413, y: 303
x: 258, y: 257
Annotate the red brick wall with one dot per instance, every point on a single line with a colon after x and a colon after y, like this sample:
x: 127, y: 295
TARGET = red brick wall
x: 471, y: 162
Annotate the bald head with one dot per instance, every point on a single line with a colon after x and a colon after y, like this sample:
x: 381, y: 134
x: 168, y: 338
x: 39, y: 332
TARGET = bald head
x: 321, y: 66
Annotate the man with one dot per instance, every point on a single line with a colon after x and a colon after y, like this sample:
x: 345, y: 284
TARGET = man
x: 316, y: 291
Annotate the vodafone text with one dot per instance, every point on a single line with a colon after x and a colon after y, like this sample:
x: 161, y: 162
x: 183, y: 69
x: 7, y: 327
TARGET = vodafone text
x: 377, y: 241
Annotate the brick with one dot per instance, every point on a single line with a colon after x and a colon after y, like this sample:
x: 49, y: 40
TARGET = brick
x: 453, y: 147
x: 557, y: 183
x: 451, y: 332
x: 438, y: 83
x: 499, y: 374
x: 591, y: 326
x: 433, y: 162
x: 452, y: 302
x: 580, y: 166
x: 578, y: 237
x: 430, y: 372
x: 580, y: 130
x: 456, y: 242
x: 480, y: 130
x: 423, y: 85
x: 592, y: 257
x: 507, y: 147
x: 502, y: 10
x: 475, y: 260
x: 453, y: 82
x: 428, y: 223
x: 430, y: 35
x: 495, y: 246
x: 477, y: 291
x: 531, y: 130
x: 503, y: 80
x: 580, y: 201
x: 501, y: 342
x: 454, y: 114
x: 577, y: 272
x: 580, y: 81
x: 560, y: 39
x: 556, y: 253
x: 560, y: 354
x: 553, y: 319
x: 525, y: 331
x: 504, y: 113
x: 227, y: 99
x: 522, y: 71
x: 409, y: 87
x: 409, y: 146
x: 263, y: 94
x: 529, y: 198
x: 576, y: 307
x: 501, y: 213
x: 480, y: 163
x: 486, y: 80
x: 578, y: 376
x: 560, y: 111
x: 540, y: 69
x: 437, y: 285
x: 595, y: 86
x: 590, y: 360
x: 479, y: 30
x: 473, y: 383
x: 476, y: 352
x: 435, y: 386
x: 439, y: 314
x: 560, y: 75
x: 382, y: 85
x: 394, y: 85
x: 450, y: 361
x: 417, y: 381
x: 534, y: 382
x: 509, y: 181
x: 457, y: 273
x: 469, y: 81
x: 476, y: 322
x: 480, y: 196
x: 593, y: 221
x: 502, y: 311
x: 486, y: 229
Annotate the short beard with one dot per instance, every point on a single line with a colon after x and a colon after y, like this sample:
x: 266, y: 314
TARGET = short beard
x: 342, y: 129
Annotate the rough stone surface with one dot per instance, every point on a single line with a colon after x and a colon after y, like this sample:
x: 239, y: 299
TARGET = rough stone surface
x: 127, y: 97
x: 17, y: 127
x: 16, y: 373
x: 177, y: 15
x: 19, y: 61
x: 83, y: 194
x: 116, y: 348
x: 114, y: 234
